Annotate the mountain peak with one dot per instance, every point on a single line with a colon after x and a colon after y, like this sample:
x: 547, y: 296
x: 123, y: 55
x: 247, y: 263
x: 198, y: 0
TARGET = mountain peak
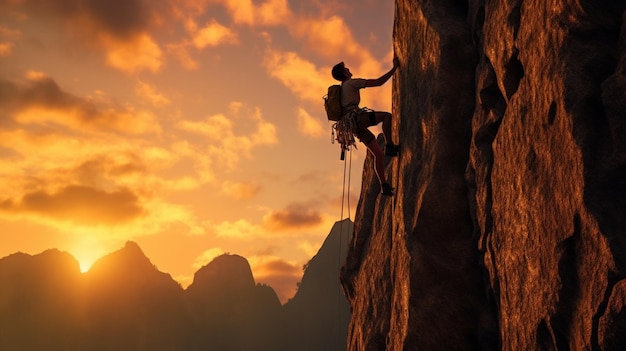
x: 133, y: 246
x: 227, y: 271
x: 129, y: 256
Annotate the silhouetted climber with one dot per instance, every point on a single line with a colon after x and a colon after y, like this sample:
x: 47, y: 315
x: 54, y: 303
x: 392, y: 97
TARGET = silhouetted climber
x: 362, y: 119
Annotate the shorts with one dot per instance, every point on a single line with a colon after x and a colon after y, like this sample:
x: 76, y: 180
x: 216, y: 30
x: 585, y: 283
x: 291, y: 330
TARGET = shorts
x: 365, y: 119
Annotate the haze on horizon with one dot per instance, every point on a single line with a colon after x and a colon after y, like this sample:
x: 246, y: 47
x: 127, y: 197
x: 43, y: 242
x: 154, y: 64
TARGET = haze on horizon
x: 193, y: 128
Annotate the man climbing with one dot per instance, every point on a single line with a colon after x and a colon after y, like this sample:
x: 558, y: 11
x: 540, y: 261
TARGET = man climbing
x: 364, y: 118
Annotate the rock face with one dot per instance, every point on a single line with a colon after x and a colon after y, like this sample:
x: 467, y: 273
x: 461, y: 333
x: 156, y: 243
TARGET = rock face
x: 508, y: 229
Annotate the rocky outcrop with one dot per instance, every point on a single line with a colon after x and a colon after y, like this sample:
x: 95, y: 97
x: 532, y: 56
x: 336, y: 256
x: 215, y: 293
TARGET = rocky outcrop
x: 508, y: 230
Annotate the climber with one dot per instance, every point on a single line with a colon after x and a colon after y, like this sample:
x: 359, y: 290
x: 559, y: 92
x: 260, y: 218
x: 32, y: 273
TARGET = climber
x: 365, y: 118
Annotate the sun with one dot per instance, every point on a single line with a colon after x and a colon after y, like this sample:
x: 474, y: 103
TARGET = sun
x: 85, y: 262
x: 87, y: 251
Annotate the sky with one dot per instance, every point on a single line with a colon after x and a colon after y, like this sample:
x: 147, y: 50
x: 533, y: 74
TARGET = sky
x: 192, y: 127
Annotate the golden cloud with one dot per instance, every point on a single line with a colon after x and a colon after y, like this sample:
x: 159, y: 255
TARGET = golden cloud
x: 240, y: 229
x: 295, y: 216
x: 274, y: 12
x: 225, y: 146
x: 120, y: 27
x: 214, y: 34
x: 134, y: 54
x: 329, y: 37
x: 79, y: 204
x: 241, y: 191
x: 248, y: 12
x: 150, y: 93
x: 43, y: 101
x: 283, y: 276
x: 308, y: 125
x: 299, y: 75
x: 182, y: 54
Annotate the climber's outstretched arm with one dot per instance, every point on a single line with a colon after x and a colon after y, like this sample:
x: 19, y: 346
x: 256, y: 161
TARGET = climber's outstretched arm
x: 384, y: 78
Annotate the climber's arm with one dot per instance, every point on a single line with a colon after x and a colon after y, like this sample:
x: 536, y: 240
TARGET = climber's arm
x: 384, y: 78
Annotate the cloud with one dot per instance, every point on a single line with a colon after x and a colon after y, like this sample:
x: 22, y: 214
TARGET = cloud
x: 240, y: 229
x: 283, y: 276
x: 294, y: 216
x: 330, y: 38
x: 226, y: 146
x: 149, y: 92
x: 273, y: 12
x: 42, y: 101
x: 214, y: 34
x: 119, y: 27
x: 270, y: 12
x: 308, y: 125
x: 121, y: 18
x: 118, y: 18
x: 241, y: 191
x: 133, y: 54
x: 5, y: 48
x: 100, y: 168
x: 181, y: 52
x: 79, y: 204
x: 301, y: 76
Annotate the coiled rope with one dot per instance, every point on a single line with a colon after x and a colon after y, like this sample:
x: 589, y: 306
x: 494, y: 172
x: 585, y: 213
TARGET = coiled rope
x: 345, y: 129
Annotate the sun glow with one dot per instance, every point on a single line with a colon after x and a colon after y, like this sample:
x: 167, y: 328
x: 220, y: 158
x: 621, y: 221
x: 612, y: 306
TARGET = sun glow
x: 86, y: 252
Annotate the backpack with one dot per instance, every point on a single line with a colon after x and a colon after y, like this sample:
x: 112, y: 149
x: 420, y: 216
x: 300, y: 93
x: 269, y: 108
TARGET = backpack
x: 332, y: 103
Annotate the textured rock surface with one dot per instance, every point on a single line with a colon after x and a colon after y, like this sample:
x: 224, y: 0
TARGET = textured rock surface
x: 508, y: 230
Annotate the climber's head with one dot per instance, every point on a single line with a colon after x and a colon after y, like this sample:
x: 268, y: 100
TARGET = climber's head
x: 340, y: 72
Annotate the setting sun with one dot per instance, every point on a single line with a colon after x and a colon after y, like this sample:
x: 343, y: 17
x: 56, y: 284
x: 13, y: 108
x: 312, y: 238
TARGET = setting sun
x: 86, y: 252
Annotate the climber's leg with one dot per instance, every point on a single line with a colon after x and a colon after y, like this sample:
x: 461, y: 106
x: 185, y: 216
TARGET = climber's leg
x: 391, y: 149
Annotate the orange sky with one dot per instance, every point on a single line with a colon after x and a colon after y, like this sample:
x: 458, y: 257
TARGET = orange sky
x: 191, y: 127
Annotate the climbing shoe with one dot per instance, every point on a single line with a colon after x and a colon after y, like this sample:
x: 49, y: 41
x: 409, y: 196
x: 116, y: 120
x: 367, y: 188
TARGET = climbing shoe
x: 391, y: 150
x: 387, y: 190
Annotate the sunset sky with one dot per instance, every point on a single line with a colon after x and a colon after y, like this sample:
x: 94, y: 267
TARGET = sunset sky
x: 192, y: 127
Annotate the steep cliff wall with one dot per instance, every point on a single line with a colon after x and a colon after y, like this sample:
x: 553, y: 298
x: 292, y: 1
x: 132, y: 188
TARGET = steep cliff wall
x: 508, y: 230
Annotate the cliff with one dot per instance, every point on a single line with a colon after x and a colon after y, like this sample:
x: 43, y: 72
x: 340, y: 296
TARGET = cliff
x: 508, y: 229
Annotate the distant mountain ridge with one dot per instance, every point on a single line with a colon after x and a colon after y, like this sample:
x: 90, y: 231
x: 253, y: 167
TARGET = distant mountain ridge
x: 125, y: 303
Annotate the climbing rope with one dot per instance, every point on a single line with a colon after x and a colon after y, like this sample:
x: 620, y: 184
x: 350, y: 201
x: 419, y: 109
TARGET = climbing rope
x: 348, y: 165
x: 344, y: 129
x: 345, y: 137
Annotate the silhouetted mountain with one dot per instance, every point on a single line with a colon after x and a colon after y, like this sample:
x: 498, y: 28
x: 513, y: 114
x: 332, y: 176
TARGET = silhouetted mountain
x: 130, y: 305
x: 318, y: 315
x: 125, y: 303
x: 228, y: 311
x: 39, y: 301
